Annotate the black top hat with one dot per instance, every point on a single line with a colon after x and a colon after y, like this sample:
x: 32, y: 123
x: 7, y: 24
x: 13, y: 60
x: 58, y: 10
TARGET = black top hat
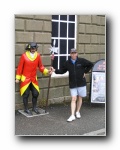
x: 31, y: 45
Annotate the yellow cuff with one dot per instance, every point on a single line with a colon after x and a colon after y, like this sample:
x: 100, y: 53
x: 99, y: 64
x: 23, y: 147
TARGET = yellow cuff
x: 45, y: 72
x: 18, y: 77
x: 23, y: 78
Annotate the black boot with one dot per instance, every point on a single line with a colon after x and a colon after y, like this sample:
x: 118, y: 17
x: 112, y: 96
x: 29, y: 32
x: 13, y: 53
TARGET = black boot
x: 35, y: 109
x: 28, y: 112
x: 25, y: 102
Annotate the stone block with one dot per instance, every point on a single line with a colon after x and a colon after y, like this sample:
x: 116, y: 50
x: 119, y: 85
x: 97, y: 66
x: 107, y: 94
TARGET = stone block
x: 17, y: 59
x: 19, y: 24
x: 58, y: 100
x: 43, y: 17
x: 95, y: 39
x: 67, y: 99
x: 84, y: 38
x: 81, y: 55
x: 60, y: 81
x: 94, y: 48
x: 101, y: 30
x: 46, y: 49
x: 47, y: 26
x: 43, y: 37
x: 34, y: 25
x: 46, y: 60
x: 87, y: 56
x: 66, y: 91
x: 18, y: 98
x: 24, y: 16
x: 24, y: 37
x: 102, y: 39
x: 102, y: 56
x: 85, y: 19
x: 54, y: 93
x: 101, y: 49
x: 90, y: 48
x: 81, y: 28
x: 17, y: 87
x: 58, y: 92
x: 19, y: 49
x: 43, y: 82
x: 19, y: 106
x: 40, y: 95
x: 87, y: 76
x: 103, y: 20
x: 92, y: 29
x: 39, y: 50
x: 95, y: 19
x: 39, y: 74
x: 94, y: 57
x: 81, y: 48
x: 88, y: 86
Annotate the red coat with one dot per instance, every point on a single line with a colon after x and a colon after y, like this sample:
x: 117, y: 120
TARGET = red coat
x: 27, y: 69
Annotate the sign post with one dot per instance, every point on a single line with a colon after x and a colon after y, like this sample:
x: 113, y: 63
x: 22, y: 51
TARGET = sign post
x: 98, y: 83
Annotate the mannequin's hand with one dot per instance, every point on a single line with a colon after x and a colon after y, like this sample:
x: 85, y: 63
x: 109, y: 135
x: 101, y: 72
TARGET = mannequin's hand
x: 17, y: 81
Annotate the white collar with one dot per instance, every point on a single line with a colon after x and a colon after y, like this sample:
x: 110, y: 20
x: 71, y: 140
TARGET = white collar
x: 32, y: 54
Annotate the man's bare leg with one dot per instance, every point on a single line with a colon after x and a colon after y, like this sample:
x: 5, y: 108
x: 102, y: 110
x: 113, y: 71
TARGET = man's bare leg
x: 73, y: 105
x: 79, y: 104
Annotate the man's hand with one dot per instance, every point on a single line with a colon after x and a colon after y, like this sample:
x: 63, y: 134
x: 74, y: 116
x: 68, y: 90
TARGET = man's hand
x: 49, y: 72
x: 84, y: 75
x: 52, y: 69
x: 17, y: 81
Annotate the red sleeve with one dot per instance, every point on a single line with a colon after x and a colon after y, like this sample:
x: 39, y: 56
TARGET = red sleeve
x: 41, y: 67
x: 20, y: 68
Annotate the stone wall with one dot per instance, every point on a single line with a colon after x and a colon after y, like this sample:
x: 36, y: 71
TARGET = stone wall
x: 37, y: 28
x: 91, y: 39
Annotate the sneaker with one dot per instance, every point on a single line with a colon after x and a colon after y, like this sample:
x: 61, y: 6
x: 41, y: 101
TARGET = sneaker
x: 71, y: 118
x: 78, y: 115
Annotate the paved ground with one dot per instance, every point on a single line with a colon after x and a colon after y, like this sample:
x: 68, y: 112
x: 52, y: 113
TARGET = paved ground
x: 92, y: 122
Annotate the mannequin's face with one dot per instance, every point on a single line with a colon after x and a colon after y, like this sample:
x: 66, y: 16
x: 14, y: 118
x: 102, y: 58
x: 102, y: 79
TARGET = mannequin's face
x: 33, y: 50
x: 74, y: 56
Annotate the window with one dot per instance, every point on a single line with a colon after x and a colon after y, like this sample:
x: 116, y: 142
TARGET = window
x: 64, y: 32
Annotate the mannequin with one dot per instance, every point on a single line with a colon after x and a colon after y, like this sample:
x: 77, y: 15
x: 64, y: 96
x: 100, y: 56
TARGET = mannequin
x: 29, y: 62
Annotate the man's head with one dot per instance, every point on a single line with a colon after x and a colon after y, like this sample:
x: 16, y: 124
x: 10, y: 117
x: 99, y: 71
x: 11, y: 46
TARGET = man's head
x: 32, y: 47
x: 73, y: 54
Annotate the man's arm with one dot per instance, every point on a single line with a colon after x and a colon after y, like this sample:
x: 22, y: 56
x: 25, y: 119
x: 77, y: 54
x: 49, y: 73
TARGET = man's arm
x: 87, y: 65
x: 62, y: 70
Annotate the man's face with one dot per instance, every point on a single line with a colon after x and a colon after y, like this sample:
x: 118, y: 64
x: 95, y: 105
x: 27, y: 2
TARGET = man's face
x: 32, y: 50
x: 74, y: 55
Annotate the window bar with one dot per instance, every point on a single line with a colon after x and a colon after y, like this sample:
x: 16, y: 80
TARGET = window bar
x: 67, y: 35
x: 75, y: 31
x: 59, y: 41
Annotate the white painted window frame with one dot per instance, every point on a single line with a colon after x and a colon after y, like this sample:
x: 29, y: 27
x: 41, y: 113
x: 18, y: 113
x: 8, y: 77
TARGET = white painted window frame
x: 66, y: 38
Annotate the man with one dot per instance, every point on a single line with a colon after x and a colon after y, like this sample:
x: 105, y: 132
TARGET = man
x: 30, y: 61
x: 77, y: 68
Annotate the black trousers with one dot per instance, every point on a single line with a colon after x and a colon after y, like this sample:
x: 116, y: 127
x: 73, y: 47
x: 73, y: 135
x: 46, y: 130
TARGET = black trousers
x: 26, y: 94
